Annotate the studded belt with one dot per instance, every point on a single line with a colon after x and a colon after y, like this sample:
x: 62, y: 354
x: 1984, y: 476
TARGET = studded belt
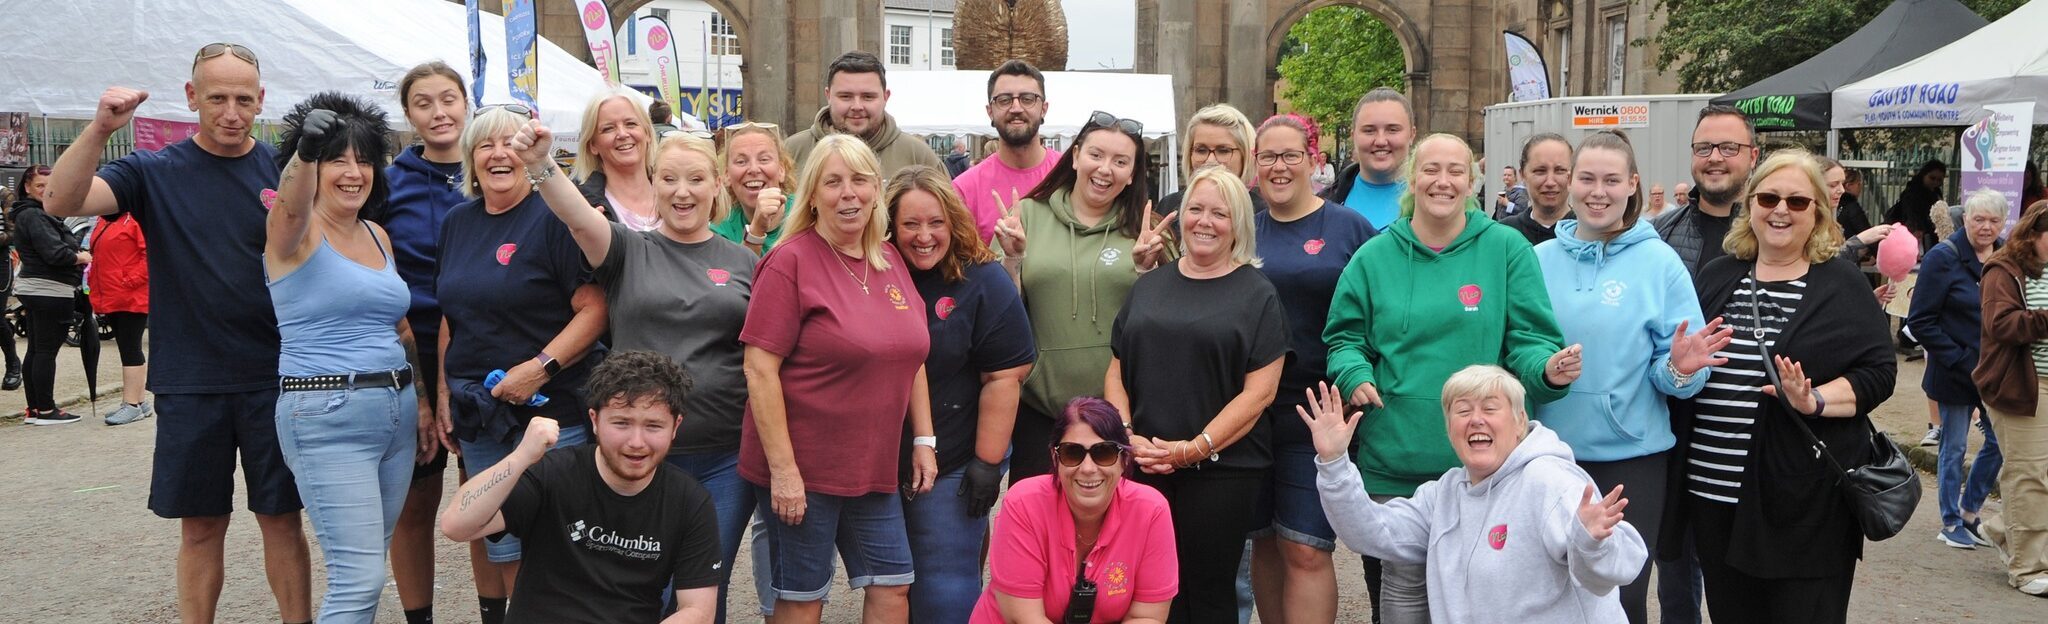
x: 381, y: 379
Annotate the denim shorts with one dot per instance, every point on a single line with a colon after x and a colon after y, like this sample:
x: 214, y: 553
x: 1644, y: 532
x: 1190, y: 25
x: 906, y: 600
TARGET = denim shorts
x: 1297, y: 508
x: 867, y: 531
x: 481, y: 455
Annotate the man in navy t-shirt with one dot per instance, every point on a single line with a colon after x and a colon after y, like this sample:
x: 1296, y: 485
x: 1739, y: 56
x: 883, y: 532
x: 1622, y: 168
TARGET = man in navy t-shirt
x: 213, y: 351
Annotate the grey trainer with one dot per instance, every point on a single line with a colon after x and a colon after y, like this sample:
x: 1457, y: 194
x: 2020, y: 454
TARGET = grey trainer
x: 130, y: 413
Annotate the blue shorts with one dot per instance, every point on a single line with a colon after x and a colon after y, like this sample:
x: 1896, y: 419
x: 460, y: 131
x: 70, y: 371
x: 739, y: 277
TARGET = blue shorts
x: 867, y: 532
x: 198, y: 437
x: 1297, y: 508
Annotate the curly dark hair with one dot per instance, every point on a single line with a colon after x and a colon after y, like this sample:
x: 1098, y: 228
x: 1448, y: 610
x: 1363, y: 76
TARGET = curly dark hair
x: 628, y: 377
x: 363, y: 128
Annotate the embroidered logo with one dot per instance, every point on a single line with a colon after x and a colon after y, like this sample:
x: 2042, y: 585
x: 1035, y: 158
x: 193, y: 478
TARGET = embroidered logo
x: 718, y: 276
x: 505, y: 252
x: 576, y: 531
x: 1497, y: 537
x: 1469, y: 295
x: 944, y: 308
x: 1610, y: 292
x: 896, y: 298
x: 1117, y: 580
x: 269, y: 199
x: 1110, y: 255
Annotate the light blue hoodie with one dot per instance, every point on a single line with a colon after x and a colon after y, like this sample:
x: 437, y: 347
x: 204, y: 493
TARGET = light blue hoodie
x: 1622, y: 301
x: 1509, y: 548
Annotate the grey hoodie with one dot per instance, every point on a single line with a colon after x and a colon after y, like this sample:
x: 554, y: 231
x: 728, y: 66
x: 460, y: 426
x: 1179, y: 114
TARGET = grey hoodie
x: 1508, y: 549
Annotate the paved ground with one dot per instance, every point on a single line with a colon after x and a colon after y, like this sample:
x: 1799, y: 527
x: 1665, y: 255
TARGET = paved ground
x: 81, y: 547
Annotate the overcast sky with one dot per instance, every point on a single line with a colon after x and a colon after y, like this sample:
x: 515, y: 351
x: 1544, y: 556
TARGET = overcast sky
x: 1099, y: 33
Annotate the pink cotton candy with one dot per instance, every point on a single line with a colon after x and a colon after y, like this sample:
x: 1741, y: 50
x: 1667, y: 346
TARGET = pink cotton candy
x: 1897, y: 253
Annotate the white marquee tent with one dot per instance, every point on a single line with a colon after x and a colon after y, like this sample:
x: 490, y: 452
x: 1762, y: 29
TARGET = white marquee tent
x: 57, y: 59
x: 2006, y: 61
x: 953, y: 102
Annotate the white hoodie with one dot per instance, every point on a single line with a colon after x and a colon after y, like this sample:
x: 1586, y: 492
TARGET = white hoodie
x: 1508, y: 549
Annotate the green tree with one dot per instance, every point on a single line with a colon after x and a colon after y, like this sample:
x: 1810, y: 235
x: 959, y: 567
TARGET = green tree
x: 1723, y: 45
x: 1333, y: 55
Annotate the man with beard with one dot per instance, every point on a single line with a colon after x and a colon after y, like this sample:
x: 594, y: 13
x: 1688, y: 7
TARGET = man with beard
x: 606, y: 527
x: 1382, y: 128
x: 1723, y: 152
x: 1547, y: 169
x: 1016, y: 107
x: 856, y: 103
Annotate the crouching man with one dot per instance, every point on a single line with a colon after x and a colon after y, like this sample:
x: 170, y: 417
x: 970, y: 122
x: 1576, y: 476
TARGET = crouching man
x: 606, y: 527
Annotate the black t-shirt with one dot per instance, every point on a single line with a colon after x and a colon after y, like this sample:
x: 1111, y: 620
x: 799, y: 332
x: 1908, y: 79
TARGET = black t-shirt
x: 978, y: 325
x: 592, y: 555
x: 1525, y: 222
x: 1713, y: 230
x: 1186, y: 346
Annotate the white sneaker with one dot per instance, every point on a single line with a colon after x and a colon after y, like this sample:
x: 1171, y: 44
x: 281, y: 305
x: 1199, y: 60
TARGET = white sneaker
x: 2036, y: 587
x: 1933, y: 437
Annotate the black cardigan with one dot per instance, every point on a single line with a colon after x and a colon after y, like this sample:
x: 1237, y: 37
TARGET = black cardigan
x: 1791, y: 522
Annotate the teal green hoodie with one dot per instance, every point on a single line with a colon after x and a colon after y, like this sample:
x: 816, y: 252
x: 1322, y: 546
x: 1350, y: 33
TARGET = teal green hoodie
x: 1074, y: 281
x: 1406, y: 317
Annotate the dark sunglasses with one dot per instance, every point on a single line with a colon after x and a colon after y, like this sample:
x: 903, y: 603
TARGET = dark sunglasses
x: 1105, y: 454
x: 1769, y: 201
x: 514, y: 108
x: 42, y: 170
x: 216, y: 49
x: 1131, y: 127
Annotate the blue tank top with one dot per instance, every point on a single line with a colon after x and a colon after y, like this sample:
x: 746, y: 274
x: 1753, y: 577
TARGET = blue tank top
x: 337, y: 316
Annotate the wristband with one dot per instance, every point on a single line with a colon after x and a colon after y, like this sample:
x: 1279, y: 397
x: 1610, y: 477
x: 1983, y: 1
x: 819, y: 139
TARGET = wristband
x: 755, y: 240
x: 543, y: 177
x: 1213, y: 455
x: 1677, y: 378
x: 931, y: 442
x: 1820, y: 403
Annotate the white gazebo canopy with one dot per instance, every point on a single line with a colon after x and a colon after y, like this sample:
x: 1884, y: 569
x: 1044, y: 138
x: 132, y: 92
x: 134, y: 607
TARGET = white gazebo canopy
x: 2006, y: 61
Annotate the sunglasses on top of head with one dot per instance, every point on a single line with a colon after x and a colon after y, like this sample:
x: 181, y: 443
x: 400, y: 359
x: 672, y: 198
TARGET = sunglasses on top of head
x: 216, y: 49
x: 1104, y: 454
x: 514, y: 108
x: 1131, y: 127
x: 1769, y: 201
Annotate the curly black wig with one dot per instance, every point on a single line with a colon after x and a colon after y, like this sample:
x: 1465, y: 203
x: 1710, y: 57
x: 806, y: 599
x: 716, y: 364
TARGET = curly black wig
x: 363, y: 127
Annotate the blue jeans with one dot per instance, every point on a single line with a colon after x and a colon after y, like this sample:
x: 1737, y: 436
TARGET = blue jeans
x: 733, y: 497
x: 1951, y: 492
x: 352, y: 451
x: 479, y: 456
x: 866, y: 531
x: 945, y: 551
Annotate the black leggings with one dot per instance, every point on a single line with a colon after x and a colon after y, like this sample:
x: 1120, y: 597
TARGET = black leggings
x: 7, y: 332
x: 128, y: 328
x: 48, y: 318
x: 1213, y: 509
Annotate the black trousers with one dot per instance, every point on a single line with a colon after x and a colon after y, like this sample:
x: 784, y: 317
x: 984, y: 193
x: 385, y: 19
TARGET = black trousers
x: 1735, y: 596
x: 48, y: 318
x: 128, y: 327
x: 1213, y: 509
x: 1030, y: 444
x: 1642, y: 483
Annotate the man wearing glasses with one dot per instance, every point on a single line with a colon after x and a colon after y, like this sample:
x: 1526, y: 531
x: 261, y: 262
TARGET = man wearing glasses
x: 1016, y: 108
x: 856, y: 103
x: 1723, y: 152
x: 215, y: 348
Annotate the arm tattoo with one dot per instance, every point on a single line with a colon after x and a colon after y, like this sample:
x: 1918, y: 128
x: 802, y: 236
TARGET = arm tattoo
x: 497, y: 477
x: 412, y: 358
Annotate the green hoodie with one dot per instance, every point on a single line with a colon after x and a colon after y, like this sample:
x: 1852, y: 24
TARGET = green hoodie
x: 1074, y: 281
x: 1405, y: 318
x: 894, y: 149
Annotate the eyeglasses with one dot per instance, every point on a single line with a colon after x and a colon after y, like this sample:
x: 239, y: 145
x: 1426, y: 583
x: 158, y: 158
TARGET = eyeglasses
x: 514, y: 108
x: 1291, y: 157
x: 1203, y: 152
x: 1104, y: 453
x: 1004, y: 100
x: 1101, y: 119
x: 1727, y: 149
x: 216, y: 49
x: 1769, y: 201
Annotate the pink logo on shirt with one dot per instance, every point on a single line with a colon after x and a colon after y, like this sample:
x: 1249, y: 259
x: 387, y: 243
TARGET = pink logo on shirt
x: 1469, y: 295
x: 505, y: 253
x: 944, y: 308
x: 269, y: 199
x: 718, y: 276
x: 1497, y: 537
x: 1313, y: 246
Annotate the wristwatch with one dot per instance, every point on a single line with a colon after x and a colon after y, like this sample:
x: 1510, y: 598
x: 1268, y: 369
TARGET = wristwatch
x: 755, y: 240
x: 548, y: 364
x: 931, y: 442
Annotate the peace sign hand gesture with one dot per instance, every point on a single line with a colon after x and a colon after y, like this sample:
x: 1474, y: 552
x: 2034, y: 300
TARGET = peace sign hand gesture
x: 1010, y: 228
x: 1150, y: 250
x: 1601, y: 515
x: 1328, y: 427
x: 1692, y: 352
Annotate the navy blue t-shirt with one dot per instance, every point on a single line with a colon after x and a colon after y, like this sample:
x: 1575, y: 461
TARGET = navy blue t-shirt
x: 504, y: 282
x: 978, y: 325
x: 1303, y: 259
x: 203, y: 215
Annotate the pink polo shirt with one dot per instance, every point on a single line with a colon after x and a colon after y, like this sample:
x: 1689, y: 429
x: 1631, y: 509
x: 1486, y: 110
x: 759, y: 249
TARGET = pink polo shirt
x: 1032, y: 555
x: 991, y: 174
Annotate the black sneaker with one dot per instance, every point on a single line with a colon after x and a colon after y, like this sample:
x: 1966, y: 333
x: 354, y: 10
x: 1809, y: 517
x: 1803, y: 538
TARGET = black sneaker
x: 12, y: 381
x: 52, y: 417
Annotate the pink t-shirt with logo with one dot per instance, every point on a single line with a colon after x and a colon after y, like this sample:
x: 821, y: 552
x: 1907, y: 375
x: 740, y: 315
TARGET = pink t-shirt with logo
x: 991, y: 174
x: 1032, y: 554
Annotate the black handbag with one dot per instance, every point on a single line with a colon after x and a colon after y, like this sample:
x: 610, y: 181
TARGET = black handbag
x: 1882, y: 493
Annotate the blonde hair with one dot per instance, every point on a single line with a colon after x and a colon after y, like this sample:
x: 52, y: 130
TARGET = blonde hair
x: 1230, y: 120
x: 587, y: 160
x: 1414, y: 164
x: 1826, y: 238
x: 492, y: 123
x: 732, y: 135
x: 1244, y: 231
x: 1479, y: 381
x: 701, y: 147
x: 851, y: 150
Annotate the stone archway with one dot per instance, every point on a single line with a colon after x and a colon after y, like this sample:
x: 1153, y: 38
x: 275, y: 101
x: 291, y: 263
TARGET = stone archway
x: 1414, y: 46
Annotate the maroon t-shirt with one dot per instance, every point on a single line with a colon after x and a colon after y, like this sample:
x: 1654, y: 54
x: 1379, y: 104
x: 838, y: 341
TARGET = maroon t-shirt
x: 849, y: 358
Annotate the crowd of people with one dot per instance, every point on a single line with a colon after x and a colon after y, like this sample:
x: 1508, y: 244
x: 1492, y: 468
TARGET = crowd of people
x: 831, y: 342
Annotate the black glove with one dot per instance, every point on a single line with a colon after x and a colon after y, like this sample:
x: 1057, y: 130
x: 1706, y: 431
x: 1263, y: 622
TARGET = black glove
x: 319, y: 127
x: 981, y: 485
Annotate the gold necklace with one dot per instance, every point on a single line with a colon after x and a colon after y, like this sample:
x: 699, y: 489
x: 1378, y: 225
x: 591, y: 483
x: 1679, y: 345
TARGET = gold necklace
x: 863, y: 279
